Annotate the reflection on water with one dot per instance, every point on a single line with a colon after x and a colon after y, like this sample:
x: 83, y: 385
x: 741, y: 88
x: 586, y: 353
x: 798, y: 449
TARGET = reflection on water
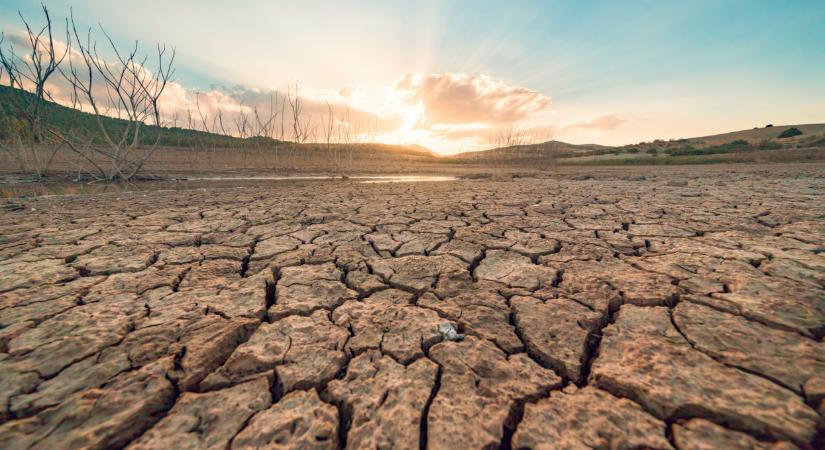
x: 403, y: 179
x: 37, y: 189
x: 358, y: 178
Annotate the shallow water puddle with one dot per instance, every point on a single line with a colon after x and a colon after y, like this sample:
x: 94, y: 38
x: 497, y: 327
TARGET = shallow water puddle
x: 37, y: 189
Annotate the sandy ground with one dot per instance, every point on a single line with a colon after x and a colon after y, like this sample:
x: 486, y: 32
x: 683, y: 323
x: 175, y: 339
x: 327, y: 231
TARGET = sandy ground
x: 668, y: 308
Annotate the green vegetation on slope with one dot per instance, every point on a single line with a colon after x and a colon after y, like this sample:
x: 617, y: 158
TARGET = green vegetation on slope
x: 790, y: 132
x: 71, y: 121
x: 738, y: 145
x: 771, y: 156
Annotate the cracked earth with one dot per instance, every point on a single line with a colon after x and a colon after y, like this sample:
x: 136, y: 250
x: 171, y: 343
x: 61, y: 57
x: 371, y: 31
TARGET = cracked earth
x: 684, y: 310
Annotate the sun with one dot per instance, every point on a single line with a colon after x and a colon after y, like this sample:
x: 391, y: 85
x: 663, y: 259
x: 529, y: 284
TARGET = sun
x: 410, y: 131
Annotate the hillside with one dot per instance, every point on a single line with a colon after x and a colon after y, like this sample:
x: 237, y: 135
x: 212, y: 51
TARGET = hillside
x: 754, y: 145
x: 73, y: 121
x: 549, y: 149
x: 757, y: 135
x: 421, y: 149
x: 69, y: 120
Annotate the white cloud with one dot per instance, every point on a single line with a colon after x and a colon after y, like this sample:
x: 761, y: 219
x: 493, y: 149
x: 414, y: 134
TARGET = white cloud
x: 456, y: 98
x: 603, y: 122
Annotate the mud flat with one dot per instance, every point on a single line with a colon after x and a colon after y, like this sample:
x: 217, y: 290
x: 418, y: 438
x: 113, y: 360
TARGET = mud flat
x: 678, y: 309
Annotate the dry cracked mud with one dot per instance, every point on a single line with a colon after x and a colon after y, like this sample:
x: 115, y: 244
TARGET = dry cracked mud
x: 682, y: 310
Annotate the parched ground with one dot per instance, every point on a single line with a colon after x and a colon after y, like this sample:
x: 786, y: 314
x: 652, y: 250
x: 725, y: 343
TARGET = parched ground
x: 684, y: 309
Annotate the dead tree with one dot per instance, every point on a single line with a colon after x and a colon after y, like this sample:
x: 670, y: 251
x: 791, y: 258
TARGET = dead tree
x: 264, y: 126
x: 329, y: 136
x: 25, y: 117
x: 345, y: 131
x: 282, y: 130
x: 309, y: 130
x: 296, y: 107
x: 356, y: 139
x: 242, y: 129
x: 127, y: 91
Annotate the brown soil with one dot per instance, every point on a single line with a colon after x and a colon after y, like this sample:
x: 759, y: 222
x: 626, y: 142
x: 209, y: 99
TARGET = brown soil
x: 618, y: 308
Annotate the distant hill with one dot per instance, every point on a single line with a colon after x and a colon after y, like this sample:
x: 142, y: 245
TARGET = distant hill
x: 757, y: 135
x: 763, y: 140
x: 421, y: 149
x: 544, y: 150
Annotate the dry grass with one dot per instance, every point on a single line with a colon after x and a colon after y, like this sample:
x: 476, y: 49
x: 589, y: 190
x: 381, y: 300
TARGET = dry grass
x: 760, y: 134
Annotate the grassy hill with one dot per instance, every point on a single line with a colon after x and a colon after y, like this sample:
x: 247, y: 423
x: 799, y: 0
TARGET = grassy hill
x: 757, y: 135
x: 755, y: 145
x: 544, y: 150
x: 69, y: 120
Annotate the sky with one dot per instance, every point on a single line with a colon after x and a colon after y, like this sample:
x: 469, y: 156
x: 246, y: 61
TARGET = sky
x: 464, y: 75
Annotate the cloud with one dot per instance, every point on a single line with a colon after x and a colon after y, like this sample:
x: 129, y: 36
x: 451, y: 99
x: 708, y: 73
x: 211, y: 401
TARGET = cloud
x: 351, y: 91
x: 603, y: 122
x: 457, y: 98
